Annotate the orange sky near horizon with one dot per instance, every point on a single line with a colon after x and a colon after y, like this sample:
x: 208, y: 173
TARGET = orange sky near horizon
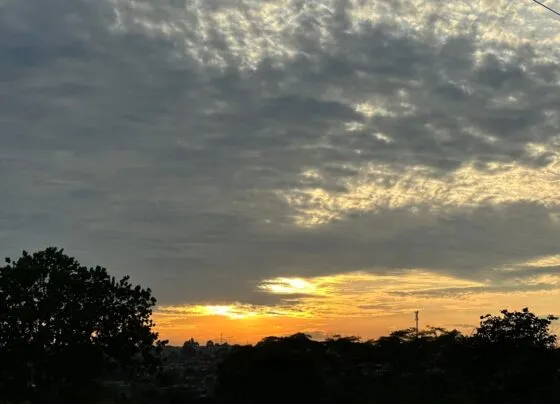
x: 251, y: 331
x: 358, y: 304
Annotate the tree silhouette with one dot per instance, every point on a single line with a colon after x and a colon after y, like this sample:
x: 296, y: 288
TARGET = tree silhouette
x: 277, y: 370
x: 508, y: 360
x: 512, y: 358
x: 62, y: 325
x: 520, y: 328
x: 189, y: 348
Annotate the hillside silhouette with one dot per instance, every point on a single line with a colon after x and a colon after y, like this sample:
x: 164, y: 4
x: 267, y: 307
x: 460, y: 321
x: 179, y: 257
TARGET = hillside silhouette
x: 71, y: 334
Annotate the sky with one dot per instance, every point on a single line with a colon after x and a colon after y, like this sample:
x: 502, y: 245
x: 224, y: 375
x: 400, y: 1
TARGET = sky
x: 269, y: 167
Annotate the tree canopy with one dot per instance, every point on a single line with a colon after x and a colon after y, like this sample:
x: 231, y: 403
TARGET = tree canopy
x: 521, y: 328
x: 510, y: 358
x: 63, y: 324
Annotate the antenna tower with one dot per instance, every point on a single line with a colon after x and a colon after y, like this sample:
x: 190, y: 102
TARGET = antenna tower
x: 416, y: 319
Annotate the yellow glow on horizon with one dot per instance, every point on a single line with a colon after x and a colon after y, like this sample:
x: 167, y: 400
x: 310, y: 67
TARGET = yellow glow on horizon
x: 361, y: 303
x: 333, y: 296
x: 361, y: 294
x: 234, y: 311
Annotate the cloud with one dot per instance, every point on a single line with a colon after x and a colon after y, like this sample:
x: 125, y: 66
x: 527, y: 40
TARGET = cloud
x: 362, y: 295
x: 380, y: 186
x: 206, y: 147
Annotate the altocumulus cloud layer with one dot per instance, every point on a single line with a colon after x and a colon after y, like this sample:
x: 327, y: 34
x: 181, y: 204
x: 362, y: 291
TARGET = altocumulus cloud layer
x: 206, y: 147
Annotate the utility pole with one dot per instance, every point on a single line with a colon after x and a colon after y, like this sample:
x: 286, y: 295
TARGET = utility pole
x: 548, y: 8
x: 416, y: 318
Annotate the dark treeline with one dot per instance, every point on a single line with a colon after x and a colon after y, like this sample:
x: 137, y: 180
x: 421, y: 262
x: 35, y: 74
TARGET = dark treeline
x: 70, y: 334
x: 511, y: 358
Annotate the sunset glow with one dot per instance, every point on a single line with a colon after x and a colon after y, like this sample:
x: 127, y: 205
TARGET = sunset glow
x: 367, y: 300
x: 274, y: 166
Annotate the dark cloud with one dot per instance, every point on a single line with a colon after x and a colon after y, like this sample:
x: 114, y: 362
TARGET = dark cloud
x: 135, y: 151
x: 458, y: 292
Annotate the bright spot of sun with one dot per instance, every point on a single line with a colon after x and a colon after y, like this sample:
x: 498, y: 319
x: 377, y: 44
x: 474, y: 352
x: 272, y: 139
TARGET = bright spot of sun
x: 217, y: 310
x: 288, y: 286
x: 231, y: 311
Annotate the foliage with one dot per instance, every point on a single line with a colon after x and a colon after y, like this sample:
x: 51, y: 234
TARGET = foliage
x: 509, y: 359
x: 62, y: 325
x: 189, y: 348
x: 289, y: 362
x: 521, y: 328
